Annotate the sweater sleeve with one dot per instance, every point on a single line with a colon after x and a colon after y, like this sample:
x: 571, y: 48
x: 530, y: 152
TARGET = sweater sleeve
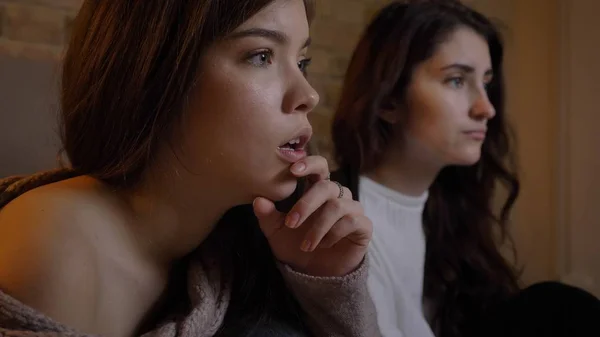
x: 335, y: 306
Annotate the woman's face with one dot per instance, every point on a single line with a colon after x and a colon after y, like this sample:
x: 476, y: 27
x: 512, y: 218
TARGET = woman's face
x: 447, y: 103
x: 251, y: 99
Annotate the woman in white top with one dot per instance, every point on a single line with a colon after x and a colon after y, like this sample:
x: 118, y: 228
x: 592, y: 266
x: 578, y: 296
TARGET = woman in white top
x: 421, y: 136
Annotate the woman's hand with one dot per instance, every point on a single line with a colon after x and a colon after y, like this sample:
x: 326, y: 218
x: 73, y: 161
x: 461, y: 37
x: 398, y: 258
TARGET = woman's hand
x: 325, y: 233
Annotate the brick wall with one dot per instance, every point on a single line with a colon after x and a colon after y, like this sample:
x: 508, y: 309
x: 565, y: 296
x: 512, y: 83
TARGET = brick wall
x: 335, y: 32
x: 38, y: 29
x: 35, y: 29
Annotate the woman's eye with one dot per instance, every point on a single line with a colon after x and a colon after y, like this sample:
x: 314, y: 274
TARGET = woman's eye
x: 261, y: 59
x: 456, y: 82
x: 487, y: 86
x: 303, y: 65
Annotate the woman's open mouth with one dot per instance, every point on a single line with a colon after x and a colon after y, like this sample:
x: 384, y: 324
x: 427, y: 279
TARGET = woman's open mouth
x: 295, y: 148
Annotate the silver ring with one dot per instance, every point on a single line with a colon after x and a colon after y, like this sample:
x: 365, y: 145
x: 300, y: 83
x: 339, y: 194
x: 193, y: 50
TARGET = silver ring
x: 328, y: 176
x: 341, y: 189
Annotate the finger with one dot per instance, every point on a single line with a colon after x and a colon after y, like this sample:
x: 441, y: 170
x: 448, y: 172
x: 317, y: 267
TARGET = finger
x: 327, y: 216
x: 314, y: 198
x: 314, y: 167
x: 345, y: 193
x: 356, y: 228
x: 269, y: 219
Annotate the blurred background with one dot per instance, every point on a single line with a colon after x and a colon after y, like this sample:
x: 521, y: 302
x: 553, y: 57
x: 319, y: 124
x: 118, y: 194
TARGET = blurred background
x: 553, y: 68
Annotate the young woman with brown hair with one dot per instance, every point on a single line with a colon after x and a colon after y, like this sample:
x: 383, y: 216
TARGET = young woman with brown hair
x: 183, y: 122
x: 421, y: 138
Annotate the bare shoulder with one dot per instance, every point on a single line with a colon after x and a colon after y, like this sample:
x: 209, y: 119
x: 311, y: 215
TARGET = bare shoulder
x: 47, y: 258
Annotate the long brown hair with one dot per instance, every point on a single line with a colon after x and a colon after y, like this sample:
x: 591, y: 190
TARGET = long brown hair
x: 465, y: 272
x: 128, y: 70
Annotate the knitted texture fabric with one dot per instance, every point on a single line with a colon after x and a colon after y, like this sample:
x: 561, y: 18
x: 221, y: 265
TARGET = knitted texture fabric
x: 335, y: 306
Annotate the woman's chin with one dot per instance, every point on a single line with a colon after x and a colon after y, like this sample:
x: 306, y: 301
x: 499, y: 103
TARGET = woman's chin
x: 468, y: 158
x: 283, y: 190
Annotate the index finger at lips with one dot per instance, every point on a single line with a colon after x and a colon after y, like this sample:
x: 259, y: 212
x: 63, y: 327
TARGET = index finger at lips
x: 314, y: 166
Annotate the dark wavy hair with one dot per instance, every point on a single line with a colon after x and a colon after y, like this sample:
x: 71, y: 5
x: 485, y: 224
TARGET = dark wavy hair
x: 465, y: 272
x: 128, y: 70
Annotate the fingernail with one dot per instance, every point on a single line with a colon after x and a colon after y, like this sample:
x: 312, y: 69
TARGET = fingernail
x: 291, y: 220
x: 298, y: 167
x: 305, y: 245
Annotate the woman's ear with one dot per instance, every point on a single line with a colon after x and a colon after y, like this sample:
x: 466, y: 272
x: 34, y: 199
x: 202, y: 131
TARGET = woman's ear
x: 391, y: 112
x: 391, y: 115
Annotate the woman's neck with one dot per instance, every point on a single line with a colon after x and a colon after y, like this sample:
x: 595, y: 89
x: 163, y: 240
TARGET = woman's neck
x: 405, y: 172
x: 170, y: 219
